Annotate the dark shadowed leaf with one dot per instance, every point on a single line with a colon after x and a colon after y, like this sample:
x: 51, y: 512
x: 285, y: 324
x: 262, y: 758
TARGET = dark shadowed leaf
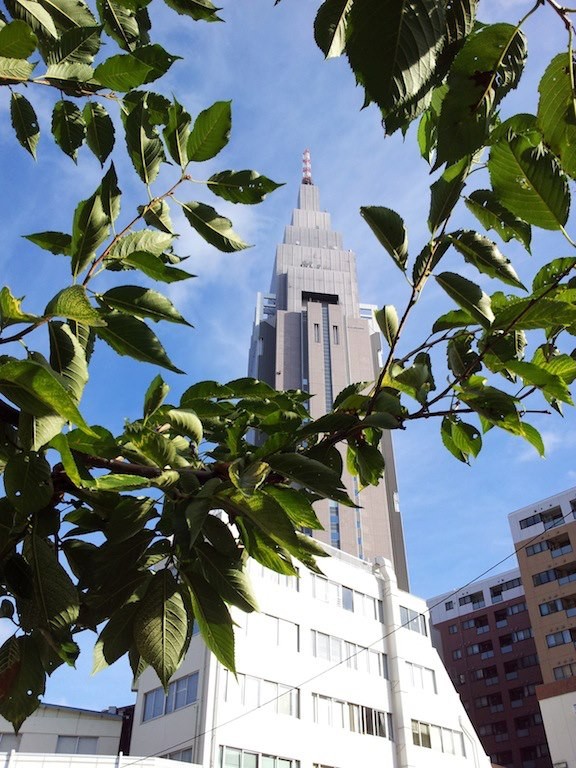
x: 484, y: 204
x: 17, y: 40
x: 199, y: 10
x: 215, y: 229
x: 389, y: 228
x: 485, y: 256
x: 246, y: 187
x: 130, y: 336
x: 330, y: 26
x: 22, y: 679
x: 24, y: 122
x: 160, y: 625
x: 142, y: 302
x: 467, y: 295
x: 99, y: 130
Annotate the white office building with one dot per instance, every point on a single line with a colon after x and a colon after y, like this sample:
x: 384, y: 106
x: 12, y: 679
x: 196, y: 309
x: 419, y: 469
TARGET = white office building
x: 336, y: 671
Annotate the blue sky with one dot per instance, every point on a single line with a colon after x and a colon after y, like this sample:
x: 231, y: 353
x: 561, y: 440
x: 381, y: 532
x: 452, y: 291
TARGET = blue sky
x: 286, y: 98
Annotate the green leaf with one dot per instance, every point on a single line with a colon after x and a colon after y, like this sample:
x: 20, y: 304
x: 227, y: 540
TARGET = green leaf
x: 330, y: 27
x: 35, y: 15
x: 213, y: 619
x: 485, y: 256
x: 247, y: 187
x: 73, y: 304
x: 365, y: 461
x: 17, y: 40
x: 199, y: 10
x: 486, y: 68
x: 141, y: 302
x: 229, y: 580
x: 68, y: 358
x: 14, y: 70
x: 22, y: 679
x: 157, y: 215
x: 28, y: 482
x: 553, y: 272
x: 528, y: 181
x: 130, y: 336
x: 155, y: 396
x: 24, y: 122
x: 10, y: 310
x: 55, y: 603
x: 393, y: 48
x: 69, y: 13
x: 177, y: 132
x: 215, y: 229
x: 155, y: 268
x: 556, y: 116
x: 185, y: 422
x: 116, y: 638
x: 25, y: 377
x: 445, y: 192
x: 99, y: 130
x: 427, y: 259
x: 127, y: 71
x: 389, y: 229
x: 563, y: 366
x: 160, y: 625
x: 387, y: 319
x: 528, y: 314
x: 120, y: 23
x: 551, y: 384
x: 89, y: 230
x: 469, y: 296
x: 296, y: 505
x: 77, y: 45
x: 54, y: 242
x: 143, y: 240
x: 484, y: 204
x: 143, y: 143
x: 311, y: 474
x: 210, y: 133
x: 531, y: 434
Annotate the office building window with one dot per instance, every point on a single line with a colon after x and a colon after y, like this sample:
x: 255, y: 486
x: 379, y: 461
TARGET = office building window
x: 544, y: 577
x: 347, y: 598
x: 351, y: 655
x: 438, y: 738
x: 335, y: 334
x: 457, y: 654
x: 335, y: 525
x: 449, y: 605
x: 566, y: 670
x: 453, y: 629
x: 352, y: 717
x: 252, y: 693
x: 77, y: 745
x: 274, y: 631
x: 561, y: 638
x: 240, y: 758
x: 317, y: 332
x: 421, y: 677
x: 181, y: 693
x: 413, y: 620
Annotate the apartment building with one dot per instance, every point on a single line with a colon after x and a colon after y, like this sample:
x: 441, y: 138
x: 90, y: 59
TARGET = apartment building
x: 544, y: 536
x: 484, y: 635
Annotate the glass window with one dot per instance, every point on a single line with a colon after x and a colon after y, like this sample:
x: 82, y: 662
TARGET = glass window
x: 249, y: 760
x: 347, y: 599
x: 77, y: 745
x: 9, y: 741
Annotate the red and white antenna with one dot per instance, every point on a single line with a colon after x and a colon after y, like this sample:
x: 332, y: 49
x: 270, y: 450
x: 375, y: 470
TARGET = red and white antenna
x: 306, y: 168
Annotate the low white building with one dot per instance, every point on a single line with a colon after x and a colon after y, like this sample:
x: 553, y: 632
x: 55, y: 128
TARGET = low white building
x: 65, y: 730
x: 336, y: 671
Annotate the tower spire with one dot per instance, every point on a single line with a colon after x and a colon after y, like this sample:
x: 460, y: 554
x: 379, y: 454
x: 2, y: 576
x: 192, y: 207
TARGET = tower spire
x: 306, y: 168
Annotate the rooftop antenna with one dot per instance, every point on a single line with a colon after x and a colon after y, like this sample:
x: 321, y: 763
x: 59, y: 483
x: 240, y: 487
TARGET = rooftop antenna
x: 306, y: 168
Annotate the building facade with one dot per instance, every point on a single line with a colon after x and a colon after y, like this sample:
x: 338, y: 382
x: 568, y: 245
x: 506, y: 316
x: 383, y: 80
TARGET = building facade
x: 485, y: 637
x: 311, y: 333
x: 336, y: 671
x: 544, y: 536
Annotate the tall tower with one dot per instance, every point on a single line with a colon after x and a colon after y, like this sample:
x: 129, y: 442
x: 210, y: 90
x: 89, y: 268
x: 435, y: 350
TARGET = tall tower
x: 311, y: 333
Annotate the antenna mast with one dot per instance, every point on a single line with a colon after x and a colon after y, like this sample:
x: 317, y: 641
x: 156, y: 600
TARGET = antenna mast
x: 306, y: 168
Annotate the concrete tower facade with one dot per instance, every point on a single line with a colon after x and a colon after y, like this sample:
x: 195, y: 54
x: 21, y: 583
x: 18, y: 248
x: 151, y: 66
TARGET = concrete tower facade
x: 311, y: 333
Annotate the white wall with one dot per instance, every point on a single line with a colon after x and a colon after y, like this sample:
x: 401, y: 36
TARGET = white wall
x: 559, y: 716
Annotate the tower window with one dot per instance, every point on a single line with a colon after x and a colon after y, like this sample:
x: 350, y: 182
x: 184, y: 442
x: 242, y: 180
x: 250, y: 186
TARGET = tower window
x: 335, y: 334
x: 317, y: 332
